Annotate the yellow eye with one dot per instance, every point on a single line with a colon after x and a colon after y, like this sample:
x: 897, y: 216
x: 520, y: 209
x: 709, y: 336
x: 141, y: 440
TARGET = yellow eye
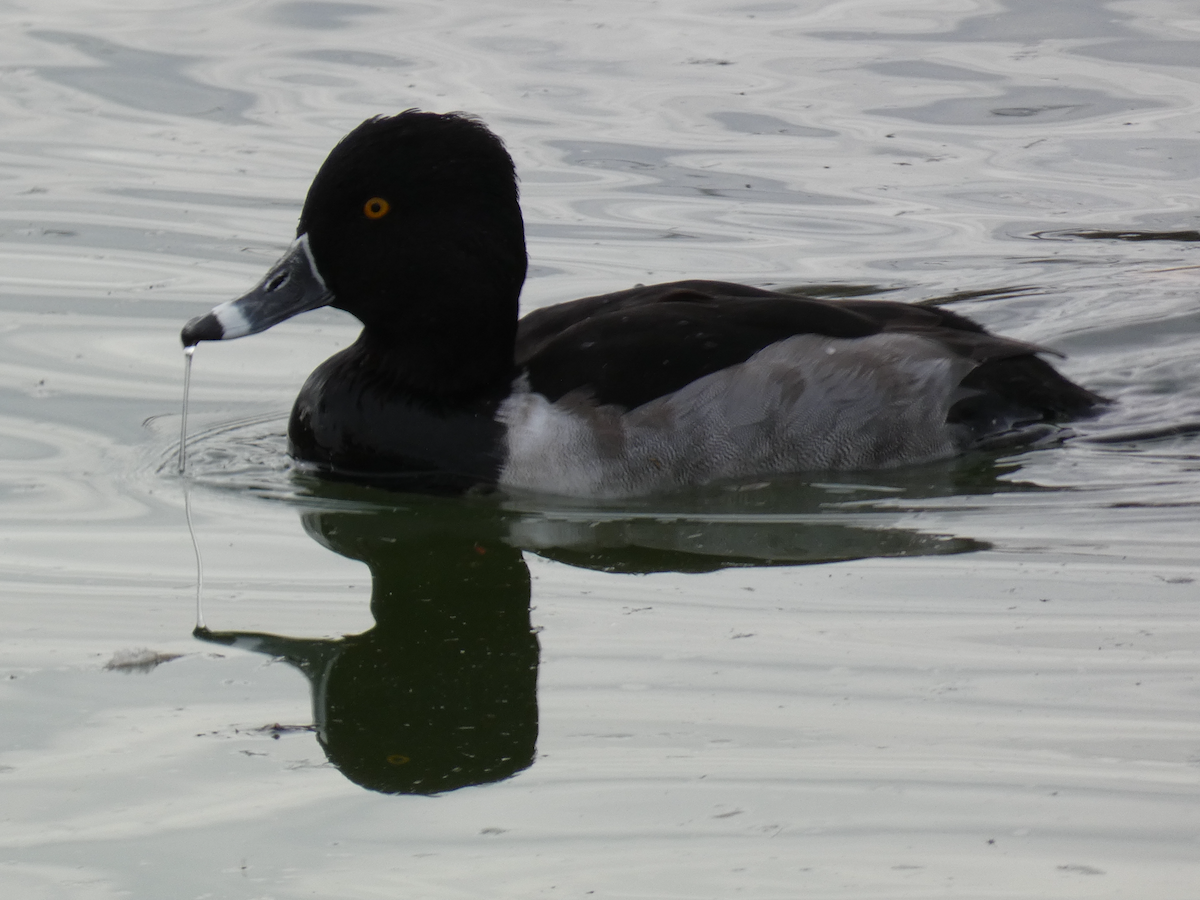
x: 376, y: 208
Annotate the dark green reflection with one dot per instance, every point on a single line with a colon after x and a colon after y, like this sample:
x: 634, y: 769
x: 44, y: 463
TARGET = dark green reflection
x: 441, y: 693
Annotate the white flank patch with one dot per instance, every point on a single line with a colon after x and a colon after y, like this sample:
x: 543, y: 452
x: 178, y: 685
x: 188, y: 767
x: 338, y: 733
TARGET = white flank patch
x: 803, y: 404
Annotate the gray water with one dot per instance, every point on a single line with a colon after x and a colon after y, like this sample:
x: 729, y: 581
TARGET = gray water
x: 977, y: 679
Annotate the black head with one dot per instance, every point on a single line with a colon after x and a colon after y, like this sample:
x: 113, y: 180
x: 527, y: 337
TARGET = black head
x: 414, y: 225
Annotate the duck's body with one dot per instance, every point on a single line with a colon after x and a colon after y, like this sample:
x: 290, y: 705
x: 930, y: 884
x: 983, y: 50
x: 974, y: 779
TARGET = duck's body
x: 412, y: 224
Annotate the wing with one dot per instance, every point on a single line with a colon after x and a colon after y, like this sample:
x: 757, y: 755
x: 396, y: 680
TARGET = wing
x: 544, y: 325
x: 633, y: 346
x: 630, y: 347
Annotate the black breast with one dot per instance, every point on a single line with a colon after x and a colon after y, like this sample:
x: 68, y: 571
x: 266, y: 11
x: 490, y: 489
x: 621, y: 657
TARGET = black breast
x: 350, y: 419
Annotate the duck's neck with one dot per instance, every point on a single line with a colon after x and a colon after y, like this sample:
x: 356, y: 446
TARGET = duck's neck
x: 443, y: 358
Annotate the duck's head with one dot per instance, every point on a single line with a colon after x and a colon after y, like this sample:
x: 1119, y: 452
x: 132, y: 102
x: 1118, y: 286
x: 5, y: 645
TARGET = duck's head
x: 412, y: 225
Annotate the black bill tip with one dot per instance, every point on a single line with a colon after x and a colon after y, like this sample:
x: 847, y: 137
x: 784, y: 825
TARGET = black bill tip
x: 202, y: 328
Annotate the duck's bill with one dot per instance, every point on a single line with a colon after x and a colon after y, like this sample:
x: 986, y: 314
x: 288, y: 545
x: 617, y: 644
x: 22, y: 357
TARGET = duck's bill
x: 292, y: 286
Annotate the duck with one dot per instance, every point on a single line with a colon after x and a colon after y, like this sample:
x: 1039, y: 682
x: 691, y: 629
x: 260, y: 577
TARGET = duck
x: 413, y: 226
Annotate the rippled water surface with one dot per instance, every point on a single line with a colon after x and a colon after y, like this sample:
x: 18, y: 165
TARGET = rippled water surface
x: 976, y: 679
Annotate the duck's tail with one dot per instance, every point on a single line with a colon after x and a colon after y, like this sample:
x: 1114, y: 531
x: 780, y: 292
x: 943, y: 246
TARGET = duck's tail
x: 1016, y: 392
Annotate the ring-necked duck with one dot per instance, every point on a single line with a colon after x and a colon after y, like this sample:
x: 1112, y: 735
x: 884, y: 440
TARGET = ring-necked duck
x: 412, y: 225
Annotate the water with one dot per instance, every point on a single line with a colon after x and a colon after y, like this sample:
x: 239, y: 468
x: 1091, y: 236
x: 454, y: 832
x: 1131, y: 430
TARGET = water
x: 973, y: 679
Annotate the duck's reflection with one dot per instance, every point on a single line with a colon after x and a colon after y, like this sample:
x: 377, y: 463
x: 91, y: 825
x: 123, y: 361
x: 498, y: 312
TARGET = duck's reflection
x: 441, y: 692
